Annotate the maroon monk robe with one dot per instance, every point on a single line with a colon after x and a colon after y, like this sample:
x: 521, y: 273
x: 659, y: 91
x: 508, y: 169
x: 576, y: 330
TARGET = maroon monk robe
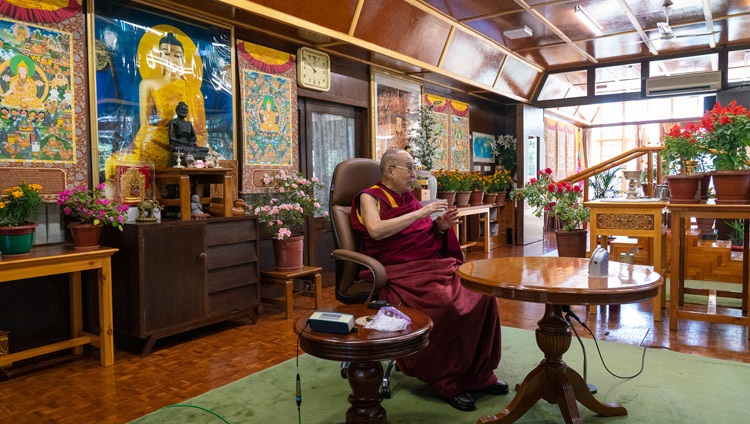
x: 421, y: 264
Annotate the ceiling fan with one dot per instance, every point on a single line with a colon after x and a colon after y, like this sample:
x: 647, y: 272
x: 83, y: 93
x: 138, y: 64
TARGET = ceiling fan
x: 666, y: 32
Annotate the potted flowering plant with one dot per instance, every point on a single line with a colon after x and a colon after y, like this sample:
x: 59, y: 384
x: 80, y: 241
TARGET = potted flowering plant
x: 89, y: 210
x: 726, y: 137
x: 681, y: 147
x: 18, y: 206
x: 287, y: 202
x: 682, y: 150
x: 562, y: 201
x: 497, y: 185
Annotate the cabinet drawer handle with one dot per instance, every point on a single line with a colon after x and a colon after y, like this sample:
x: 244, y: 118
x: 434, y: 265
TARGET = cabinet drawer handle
x: 202, y: 256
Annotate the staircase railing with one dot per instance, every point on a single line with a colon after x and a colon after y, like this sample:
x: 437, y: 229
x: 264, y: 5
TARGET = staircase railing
x: 618, y: 160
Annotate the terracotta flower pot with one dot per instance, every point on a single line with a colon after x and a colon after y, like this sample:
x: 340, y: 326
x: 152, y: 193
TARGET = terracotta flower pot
x: 449, y: 196
x: 490, y: 198
x: 571, y: 244
x: 732, y: 187
x: 683, y: 188
x: 476, y: 198
x: 462, y: 198
x: 85, y: 236
x: 288, y: 253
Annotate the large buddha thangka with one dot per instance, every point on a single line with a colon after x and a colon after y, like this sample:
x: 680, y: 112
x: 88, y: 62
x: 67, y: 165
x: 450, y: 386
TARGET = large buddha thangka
x: 182, y: 137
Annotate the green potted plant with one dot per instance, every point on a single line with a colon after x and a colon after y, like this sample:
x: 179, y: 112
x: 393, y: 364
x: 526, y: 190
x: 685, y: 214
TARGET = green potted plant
x: 562, y: 201
x: 605, y: 184
x: 88, y: 210
x: 726, y: 137
x: 504, y: 152
x: 497, y: 185
x: 424, y: 146
x: 19, y: 206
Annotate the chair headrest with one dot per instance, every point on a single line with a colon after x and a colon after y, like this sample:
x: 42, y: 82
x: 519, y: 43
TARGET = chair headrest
x: 352, y: 176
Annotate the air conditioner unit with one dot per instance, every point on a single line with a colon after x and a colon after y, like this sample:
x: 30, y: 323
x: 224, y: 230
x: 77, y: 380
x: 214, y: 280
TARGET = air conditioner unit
x: 683, y: 84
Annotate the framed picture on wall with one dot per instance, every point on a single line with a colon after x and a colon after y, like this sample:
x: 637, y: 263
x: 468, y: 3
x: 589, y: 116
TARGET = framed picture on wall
x: 482, y: 148
x: 146, y: 62
x: 395, y: 110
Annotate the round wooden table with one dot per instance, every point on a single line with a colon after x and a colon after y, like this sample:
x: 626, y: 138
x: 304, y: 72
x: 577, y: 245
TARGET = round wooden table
x: 556, y: 282
x: 364, y: 349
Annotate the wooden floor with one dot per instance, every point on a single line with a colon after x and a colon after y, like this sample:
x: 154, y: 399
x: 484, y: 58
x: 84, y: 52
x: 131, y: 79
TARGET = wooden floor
x: 78, y: 390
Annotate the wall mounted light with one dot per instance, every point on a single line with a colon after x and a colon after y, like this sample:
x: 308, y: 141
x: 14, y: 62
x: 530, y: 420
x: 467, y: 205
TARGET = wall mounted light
x: 586, y: 19
x: 520, y: 32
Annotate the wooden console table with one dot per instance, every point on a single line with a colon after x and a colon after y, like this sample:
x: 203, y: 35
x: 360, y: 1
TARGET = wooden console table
x: 680, y: 215
x: 62, y: 259
x: 635, y: 219
x: 183, y: 177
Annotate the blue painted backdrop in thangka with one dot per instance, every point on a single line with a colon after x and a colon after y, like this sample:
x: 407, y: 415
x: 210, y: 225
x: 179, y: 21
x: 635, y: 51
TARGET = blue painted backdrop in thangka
x: 36, y: 94
x: 147, y: 62
x: 267, y: 107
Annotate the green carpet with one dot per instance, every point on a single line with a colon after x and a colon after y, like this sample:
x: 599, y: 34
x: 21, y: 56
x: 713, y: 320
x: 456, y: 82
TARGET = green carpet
x: 673, y: 388
x: 716, y: 285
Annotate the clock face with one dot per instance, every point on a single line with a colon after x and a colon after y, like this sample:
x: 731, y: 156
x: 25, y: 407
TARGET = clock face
x: 313, y: 69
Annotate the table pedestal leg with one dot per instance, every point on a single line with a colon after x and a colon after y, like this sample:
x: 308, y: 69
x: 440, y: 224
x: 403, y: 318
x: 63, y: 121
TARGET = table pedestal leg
x: 552, y: 380
x: 365, y: 379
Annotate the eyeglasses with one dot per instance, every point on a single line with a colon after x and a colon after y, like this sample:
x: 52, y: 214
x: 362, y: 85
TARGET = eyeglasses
x: 409, y: 167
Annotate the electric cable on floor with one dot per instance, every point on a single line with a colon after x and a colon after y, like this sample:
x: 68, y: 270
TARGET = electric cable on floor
x: 298, y: 393
x: 569, y: 314
x: 185, y: 405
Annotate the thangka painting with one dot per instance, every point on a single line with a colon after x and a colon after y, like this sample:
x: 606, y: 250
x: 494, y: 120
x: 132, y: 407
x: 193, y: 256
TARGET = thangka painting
x: 42, y: 99
x: 395, y: 108
x: 454, y: 140
x: 146, y: 63
x: 268, y: 82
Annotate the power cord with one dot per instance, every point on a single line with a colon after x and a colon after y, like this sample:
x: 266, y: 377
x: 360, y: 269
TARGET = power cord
x: 570, y: 314
x: 185, y: 405
x: 298, y: 393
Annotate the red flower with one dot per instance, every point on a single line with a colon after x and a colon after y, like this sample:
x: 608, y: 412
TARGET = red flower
x: 548, y: 171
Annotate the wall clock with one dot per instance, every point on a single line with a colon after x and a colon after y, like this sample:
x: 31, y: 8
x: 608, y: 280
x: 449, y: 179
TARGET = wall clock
x: 313, y: 69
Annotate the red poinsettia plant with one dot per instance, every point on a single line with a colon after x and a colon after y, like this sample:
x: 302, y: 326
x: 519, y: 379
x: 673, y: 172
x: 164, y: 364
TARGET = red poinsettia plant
x: 727, y: 136
x: 559, y: 199
x: 682, y: 145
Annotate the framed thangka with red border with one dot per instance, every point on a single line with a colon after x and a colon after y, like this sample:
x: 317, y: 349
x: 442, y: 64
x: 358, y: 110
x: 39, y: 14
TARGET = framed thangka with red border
x: 146, y: 62
x: 268, y: 82
x: 43, y: 113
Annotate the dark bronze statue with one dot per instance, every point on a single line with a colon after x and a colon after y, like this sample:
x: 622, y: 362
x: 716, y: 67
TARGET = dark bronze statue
x: 182, y: 137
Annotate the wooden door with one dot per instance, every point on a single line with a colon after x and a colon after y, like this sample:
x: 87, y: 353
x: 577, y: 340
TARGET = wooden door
x: 329, y: 134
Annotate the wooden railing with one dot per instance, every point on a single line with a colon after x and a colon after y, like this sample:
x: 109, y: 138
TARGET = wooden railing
x: 651, y: 166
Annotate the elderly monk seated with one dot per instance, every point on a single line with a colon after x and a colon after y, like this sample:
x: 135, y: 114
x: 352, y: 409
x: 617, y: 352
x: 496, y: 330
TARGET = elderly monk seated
x: 421, y: 257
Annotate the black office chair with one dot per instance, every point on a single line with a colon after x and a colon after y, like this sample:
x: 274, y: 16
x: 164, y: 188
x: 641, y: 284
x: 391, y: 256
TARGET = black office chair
x: 349, y: 178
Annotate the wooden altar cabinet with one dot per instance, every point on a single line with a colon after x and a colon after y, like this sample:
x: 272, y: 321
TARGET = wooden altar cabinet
x: 634, y: 218
x: 681, y: 215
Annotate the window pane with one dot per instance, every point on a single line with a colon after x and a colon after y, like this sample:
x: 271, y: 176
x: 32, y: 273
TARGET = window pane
x: 333, y: 142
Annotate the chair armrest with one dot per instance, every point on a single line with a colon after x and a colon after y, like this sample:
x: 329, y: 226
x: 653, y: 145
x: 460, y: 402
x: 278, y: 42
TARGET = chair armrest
x: 379, y: 276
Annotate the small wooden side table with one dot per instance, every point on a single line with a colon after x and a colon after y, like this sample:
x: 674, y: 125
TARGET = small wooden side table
x: 311, y: 274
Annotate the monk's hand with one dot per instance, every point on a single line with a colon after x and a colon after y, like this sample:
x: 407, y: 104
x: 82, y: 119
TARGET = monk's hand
x: 447, y: 220
x: 434, y: 207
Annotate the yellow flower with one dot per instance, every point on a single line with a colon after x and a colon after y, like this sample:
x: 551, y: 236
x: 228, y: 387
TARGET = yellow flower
x: 18, y: 194
x: 2, y: 205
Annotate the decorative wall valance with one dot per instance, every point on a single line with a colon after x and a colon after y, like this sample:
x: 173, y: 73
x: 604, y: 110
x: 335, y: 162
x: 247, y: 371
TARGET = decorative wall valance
x: 48, y: 11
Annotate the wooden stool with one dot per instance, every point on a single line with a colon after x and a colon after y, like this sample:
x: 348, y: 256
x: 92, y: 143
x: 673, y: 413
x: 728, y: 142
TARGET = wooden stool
x: 286, y: 279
